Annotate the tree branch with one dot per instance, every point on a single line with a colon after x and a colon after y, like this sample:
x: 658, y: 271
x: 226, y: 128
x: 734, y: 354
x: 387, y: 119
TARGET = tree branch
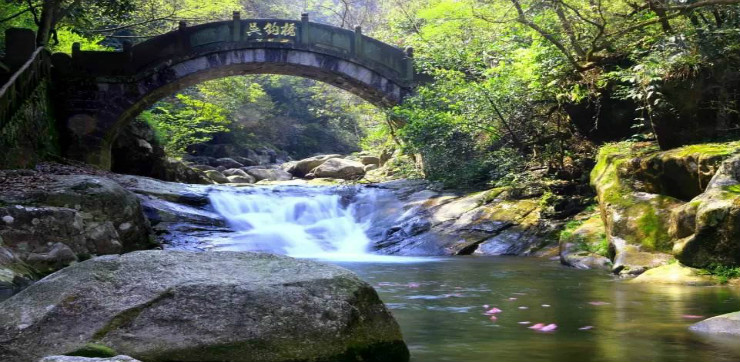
x: 549, y: 37
x: 15, y: 15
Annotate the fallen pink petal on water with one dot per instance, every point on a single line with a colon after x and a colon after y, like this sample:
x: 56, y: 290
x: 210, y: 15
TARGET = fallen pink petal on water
x: 486, y: 306
x: 537, y: 326
x: 519, y: 293
x: 545, y: 306
x: 523, y: 307
x: 512, y: 298
x: 692, y: 316
x: 493, y: 318
x: 525, y: 322
x: 549, y: 328
x: 598, y: 303
x: 585, y: 328
x: 493, y: 311
x: 413, y: 285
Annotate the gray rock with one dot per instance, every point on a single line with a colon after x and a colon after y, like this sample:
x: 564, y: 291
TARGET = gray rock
x: 247, y: 179
x: 727, y: 324
x: 245, y: 161
x: 235, y: 172
x: 303, y: 167
x: 339, y: 168
x: 216, y: 306
x: 204, y: 167
x: 228, y: 163
x: 370, y: 160
x: 217, y: 177
x: 86, y: 359
x: 369, y: 168
x: 269, y: 174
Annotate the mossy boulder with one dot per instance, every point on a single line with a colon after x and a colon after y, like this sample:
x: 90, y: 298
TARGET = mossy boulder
x: 676, y: 273
x: 643, y: 194
x: 159, y: 306
x: 482, y: 223
x: 583, y: 243
x: 707, y: 229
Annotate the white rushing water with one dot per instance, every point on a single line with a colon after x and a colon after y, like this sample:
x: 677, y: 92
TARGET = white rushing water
x: 304, y: 222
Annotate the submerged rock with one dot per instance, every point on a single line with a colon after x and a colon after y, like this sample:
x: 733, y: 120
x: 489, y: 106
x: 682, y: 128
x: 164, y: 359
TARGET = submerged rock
x: 160, y: 306
x: 675, y: 274
x: 726, y: 324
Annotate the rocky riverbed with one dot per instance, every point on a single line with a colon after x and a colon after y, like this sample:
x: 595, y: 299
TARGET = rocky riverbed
x: 664, y: 216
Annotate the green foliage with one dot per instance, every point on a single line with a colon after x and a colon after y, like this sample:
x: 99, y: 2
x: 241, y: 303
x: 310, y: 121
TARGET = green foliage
x: 93, y: 350
x: 723, y: 272
x: 185, y: 121
x: 599, y: 246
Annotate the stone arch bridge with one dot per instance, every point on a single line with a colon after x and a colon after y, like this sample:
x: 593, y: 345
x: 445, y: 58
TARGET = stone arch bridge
x: 98, y: 93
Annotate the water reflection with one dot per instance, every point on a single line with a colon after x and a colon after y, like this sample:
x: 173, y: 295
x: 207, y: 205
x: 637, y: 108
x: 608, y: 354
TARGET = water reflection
x: 440, y: 306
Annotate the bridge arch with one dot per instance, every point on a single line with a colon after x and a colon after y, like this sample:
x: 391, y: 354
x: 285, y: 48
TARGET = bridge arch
x: 100, y: 92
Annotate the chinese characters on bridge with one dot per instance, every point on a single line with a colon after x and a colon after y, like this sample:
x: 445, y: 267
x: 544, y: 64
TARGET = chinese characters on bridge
x: 270, y: 31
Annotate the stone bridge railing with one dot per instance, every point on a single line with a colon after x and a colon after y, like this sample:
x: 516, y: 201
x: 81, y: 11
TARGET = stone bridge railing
x: 391, y: 61
x: 22, y: 84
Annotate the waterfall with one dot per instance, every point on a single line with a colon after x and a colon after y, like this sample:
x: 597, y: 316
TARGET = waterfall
x: 304, y: 222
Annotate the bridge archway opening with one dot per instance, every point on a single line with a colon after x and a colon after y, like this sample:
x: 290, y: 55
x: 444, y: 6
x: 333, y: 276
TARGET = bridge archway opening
x: 295, y: 116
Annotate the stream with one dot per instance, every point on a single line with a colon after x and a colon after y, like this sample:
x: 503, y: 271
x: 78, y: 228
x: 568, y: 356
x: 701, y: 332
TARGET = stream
x: 476, y: 308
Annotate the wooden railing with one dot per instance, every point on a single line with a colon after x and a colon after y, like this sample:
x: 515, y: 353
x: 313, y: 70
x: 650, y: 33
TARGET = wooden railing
x: 22, y: 83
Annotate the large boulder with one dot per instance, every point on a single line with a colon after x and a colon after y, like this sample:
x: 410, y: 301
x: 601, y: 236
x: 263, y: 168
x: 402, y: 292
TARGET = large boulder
x: 235, y: 172
x: 340, y: 168
x: 707, y: 228
x: 241, y: 179
x: 51, y: 221
x: 370, y: 160
x: 159, y: 306
x: 727, y: 324
x: 484, y: 223
x: 245, y: 161
x: 269, y: 174
x: 303, y: 167
x: 108, y: 217
x: 217, y: 176
x: 228, y: 163
x: 676, y: 274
